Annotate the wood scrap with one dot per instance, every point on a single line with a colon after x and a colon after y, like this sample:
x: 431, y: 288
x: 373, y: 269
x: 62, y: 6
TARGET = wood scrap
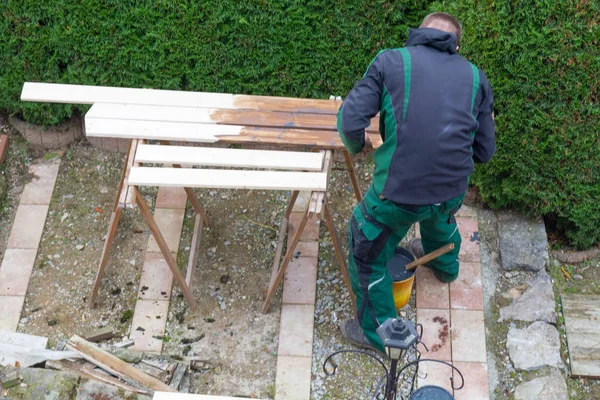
x: 114, y: 365
x: 124, y: 344
x: 100, y: 335
x: 178, y: 375
x: 3, y: 147
x: 153, y: 371
x: 81, y: 370
x: 11, y: 379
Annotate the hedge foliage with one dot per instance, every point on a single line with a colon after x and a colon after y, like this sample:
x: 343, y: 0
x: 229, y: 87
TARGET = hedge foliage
x: 543, y: 60
x: 267, y: 47
x: 541, y: 56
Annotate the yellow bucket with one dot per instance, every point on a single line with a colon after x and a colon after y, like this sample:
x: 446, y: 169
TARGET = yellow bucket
x: 403, y: 279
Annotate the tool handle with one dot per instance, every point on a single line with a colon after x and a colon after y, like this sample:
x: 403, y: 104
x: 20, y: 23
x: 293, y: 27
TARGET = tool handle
x: 428, y: 257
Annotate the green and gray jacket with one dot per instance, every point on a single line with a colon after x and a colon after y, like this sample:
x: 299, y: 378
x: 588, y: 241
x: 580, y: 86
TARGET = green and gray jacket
x: 435, y: 119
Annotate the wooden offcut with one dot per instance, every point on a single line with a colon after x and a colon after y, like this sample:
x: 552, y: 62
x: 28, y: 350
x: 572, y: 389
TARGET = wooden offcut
x: 100, y: 334
x: 115, y: 366
x: 3, y: 147
x: 582, y: 322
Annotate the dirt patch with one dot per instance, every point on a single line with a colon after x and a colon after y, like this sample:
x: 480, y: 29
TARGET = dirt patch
x: 56, y: 302
x: 238, y: 340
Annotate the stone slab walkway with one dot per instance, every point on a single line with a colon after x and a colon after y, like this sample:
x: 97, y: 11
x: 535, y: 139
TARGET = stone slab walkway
x: 452, y: 319
x: 294, y: 357
x: 24, y: 241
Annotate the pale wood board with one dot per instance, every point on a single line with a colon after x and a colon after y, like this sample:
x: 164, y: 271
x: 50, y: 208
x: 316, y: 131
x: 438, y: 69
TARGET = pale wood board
x: 214, y: 157
x: 82, y: 94
x: 154, y: 130
x: 582, y: 322
x: 227, y: 179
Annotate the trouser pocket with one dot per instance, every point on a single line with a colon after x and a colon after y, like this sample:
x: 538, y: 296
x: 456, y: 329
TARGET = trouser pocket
x: 369, y: 236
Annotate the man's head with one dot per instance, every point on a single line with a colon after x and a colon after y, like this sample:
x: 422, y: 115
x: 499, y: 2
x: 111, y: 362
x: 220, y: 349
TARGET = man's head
x: 443, y: 22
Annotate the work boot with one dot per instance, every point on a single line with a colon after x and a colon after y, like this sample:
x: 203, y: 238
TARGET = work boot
x: 352, y: 331
x: 416, y: 247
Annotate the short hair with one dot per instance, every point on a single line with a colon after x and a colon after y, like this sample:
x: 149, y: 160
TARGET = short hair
x: 443, y: 21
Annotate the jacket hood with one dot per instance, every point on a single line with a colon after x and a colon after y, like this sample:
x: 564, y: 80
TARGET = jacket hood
x: 440, y: 40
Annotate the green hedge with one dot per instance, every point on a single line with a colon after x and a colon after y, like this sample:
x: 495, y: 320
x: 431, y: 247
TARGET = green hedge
x: 542, y: 58
x: 280, y: 47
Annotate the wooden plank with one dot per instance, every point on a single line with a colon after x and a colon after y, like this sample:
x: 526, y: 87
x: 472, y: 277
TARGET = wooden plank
x: 582, y: 322
x: 211, y: 133
x: 218, y: 116
x: 113, y: 365
x: 227, y: 179
x: 214, y: 157
x: 82, y: 94
x: 3, y: 147
x: 100, y: 334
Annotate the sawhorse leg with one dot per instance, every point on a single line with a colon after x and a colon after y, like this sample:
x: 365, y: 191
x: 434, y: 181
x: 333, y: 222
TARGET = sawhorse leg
x: 277, y: 274
x: 112, y: 230
x: 338, y: 252
x: 164, y: 248
x: 353, y: 176
x: 120, y: 201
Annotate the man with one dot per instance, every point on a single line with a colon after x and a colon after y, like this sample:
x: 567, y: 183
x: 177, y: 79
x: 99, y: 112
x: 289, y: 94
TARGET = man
x: 436, y: 121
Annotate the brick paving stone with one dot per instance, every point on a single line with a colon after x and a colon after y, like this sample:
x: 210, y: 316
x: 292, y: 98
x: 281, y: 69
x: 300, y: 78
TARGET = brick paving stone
x: 296, y: 330
x: 432, y: 373
x: 436, y: 333
x: 307, y: 249
x: 39, y: 189
x: 469, y: 232
x: 10, y: 312
x: 28, y: 227
x: 15, y: 271
x: 466, y: 292
x: 467, y: 212
x: 299, y: 285
x: 157, y: 279
x: 476, y: 381
x: 170, y: 223
x: 150, y: 315
x: 468, y: 336
x: 171, y: 197
x: 431, y: 293
x: 293, y: 378
x: 311, y: 230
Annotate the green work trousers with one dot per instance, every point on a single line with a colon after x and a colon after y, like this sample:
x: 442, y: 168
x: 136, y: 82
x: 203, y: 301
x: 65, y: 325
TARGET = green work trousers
x: 377, y: 226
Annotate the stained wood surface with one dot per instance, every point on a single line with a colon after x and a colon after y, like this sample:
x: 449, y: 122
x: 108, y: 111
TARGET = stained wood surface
x: 200, y: 115
x: 582, y: 322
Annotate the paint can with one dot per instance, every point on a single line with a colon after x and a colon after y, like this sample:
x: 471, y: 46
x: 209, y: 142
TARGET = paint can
x: 402, y: 279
